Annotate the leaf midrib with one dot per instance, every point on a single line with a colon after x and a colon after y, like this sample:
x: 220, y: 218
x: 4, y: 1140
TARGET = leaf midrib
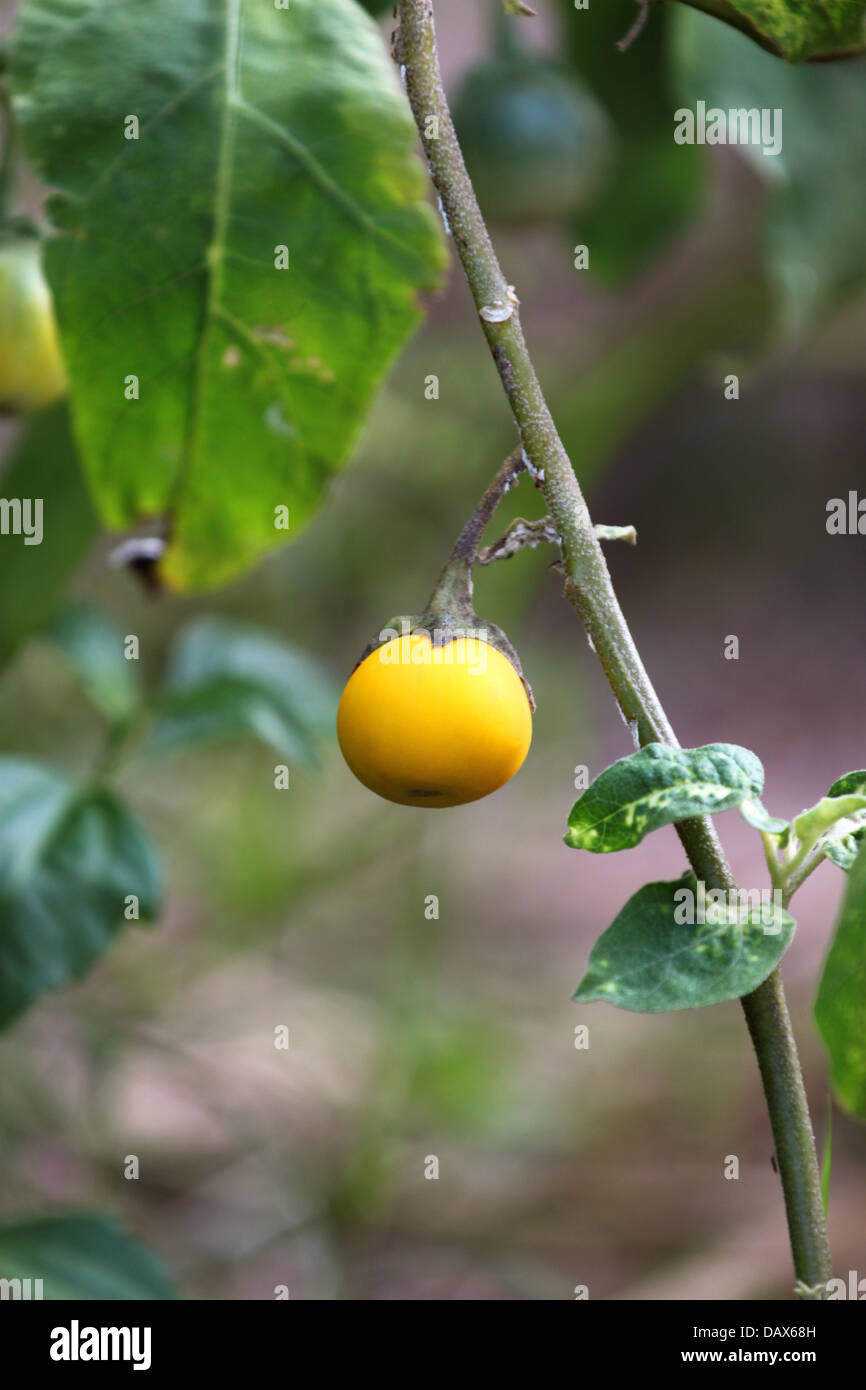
x: 627, y: 810
x: 215, y: 256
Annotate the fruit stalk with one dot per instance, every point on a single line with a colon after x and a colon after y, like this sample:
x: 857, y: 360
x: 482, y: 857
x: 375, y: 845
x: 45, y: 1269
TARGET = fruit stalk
x: 589, y: 590
x: 454, y: 586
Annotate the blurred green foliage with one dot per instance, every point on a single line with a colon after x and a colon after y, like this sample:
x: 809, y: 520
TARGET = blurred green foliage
x: 655, y: 186
x: 81, y: 1257
x: 43, y: 464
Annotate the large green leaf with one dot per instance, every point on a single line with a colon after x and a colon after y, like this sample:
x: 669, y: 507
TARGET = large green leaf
x: 227, y: 680
x: 259, y: 128
x: 43, y: 465
x: 94, y: 648
x: 658, y: 786
x: 81, y: 1257
x: 799, y: 30
x: 649, y: 961
x: 840, y: 1007
x: 70, y: 859
x: 816, y: 195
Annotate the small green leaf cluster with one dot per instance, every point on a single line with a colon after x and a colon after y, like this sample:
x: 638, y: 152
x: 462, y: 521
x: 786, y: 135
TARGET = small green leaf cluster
x: 834, y: 829
x: 654, y: 957
x: 676, y: 946
x: 75, y: 864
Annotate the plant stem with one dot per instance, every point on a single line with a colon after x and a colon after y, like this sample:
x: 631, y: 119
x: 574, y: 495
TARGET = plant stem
x: 451, y: 599
x: 116, y: 747
x: 770, y: 1028
x: 466, y: 545
x: 589, y: 589
x: 637, y: 27
x: 799, y: 872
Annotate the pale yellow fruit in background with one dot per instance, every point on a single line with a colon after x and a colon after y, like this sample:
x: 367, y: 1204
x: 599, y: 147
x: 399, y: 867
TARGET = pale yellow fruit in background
x: 434, y: 726
x: 32, y: 374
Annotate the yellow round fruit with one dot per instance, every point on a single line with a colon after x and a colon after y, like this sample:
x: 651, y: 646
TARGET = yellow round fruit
x: 427, y: 725
x: 32, y: 374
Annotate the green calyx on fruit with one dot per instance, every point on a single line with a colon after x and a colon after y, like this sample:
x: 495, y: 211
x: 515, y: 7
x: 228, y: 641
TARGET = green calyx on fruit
x: 442, y: 627
x: 437, y: 711
x: 450, y: 614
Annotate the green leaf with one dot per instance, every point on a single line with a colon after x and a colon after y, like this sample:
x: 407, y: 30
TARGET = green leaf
x: 844, y: 844
x: 69, y: 859
x: 840, y: 1006
x: 813, y: 243
x: 659, y: 786
x: 33, y: 801
x: 799, y: 30
x: 81, y: 1257
x: 43, y: 465
x: 810, y: 824
x: 650, y: 962
x: 845, y: 838
x: 94, y: 648
x: 226, y: 680
x: 827, y: 816
x: 259, y: 128
x: 758, y: 816
x: 849, y: 784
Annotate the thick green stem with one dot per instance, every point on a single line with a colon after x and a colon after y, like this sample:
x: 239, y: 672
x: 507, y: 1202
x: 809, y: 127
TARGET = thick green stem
x: 589, y: 590
x: 770, y: 1027
x: 799, y: 872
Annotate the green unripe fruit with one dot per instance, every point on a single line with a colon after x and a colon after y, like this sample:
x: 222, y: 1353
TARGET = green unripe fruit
x: 32, y: 374
x: 536, y: 142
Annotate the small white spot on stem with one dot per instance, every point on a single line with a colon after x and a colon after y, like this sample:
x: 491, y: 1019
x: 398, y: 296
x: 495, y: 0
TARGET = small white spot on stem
x: 536, y: 473
x: 633, y: 728
x: 500, y: 309
x: 496, y: 313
